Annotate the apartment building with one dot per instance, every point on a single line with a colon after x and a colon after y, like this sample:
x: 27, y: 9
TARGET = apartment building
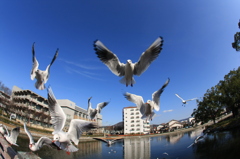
x: 75, y: 112
x: 133, y: 124
x: 31, y: 107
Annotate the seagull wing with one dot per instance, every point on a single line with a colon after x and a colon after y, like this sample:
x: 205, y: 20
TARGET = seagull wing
x: 48, y: 67
x: 35, y: 63
x: 6, y: 130
x: 190, y: 99
x: 65, y: 146
x: 89, y: 110
x: 138, y: 100
x: 77, y: 127
x: 156, y: 95
x: 28, y: 134
x: 44, y: 141
x: 57, y: 115
x: 148, y: 56
x: 179, y: 97
x: 101, y: 139
x: 109, y: 59
x: 100, y: 106
x: 14, y: 134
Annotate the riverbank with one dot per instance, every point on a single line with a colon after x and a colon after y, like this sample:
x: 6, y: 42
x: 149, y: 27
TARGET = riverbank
x: 221, y: 125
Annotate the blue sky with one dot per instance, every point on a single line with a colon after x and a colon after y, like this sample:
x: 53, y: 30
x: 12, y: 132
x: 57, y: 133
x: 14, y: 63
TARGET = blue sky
x: 196, y: 54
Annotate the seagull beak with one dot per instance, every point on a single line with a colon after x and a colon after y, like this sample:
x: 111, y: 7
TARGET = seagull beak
x: 53, y: 141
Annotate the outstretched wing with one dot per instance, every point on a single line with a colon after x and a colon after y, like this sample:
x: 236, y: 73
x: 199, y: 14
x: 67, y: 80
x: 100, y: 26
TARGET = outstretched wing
x: 138, y: 100
x: 14, y: 134
x: 44, y: 141
x: 156, y: 95
x: 101, y: 139
x: 190, y: 99
x: 148, y: 56
x: 7, y: 132
x: 57, y: 115
x: 77, y: 127
x: 179, y: 97
x: 100, y: 106
x: 65, y: 146
x: 109, y: 59
x: 28, y: 134
x: 48, y: 67
x: 89, y: 106
x: 35, y: 63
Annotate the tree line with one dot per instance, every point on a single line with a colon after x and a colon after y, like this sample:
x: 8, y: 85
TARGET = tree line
x: 221, y: 98
x: 5, y: 89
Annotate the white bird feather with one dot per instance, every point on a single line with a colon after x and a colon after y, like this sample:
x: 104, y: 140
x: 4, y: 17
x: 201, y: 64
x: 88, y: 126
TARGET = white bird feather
x: 129, y: 69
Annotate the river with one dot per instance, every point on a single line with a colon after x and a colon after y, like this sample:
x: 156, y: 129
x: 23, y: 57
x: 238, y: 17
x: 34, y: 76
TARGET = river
x: 173, y: 146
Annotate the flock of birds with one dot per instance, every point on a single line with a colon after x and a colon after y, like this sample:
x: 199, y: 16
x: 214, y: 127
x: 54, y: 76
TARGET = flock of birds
x: 64, y: 140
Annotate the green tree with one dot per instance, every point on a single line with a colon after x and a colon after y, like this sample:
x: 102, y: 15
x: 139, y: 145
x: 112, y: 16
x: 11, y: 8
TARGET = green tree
x: 230, y: 91
x: 210, y: 108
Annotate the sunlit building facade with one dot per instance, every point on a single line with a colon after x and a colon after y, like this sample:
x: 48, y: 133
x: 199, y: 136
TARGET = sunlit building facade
x: 133, y: 124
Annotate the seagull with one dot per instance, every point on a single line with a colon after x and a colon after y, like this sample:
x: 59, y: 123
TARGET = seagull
x: 146, y: 109
x: 41, y: 142
x: 184, y: 101
x: 129, y: 69
x: 12, y: 139
x: 109, y: 142
x: 76, y: 128
x: 93, y: 112
x: 41, y: 76
x: 2, y: 129
x: 199, y: 138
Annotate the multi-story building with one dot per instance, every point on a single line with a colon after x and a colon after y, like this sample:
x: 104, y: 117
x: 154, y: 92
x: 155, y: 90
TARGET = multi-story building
x: 75, y: 112
x: 133, y: 124
x: 4, y: 100
x: 32, y: 107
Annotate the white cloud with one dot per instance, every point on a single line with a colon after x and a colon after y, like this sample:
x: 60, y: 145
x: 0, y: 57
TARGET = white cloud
x: 81, y: 65
x: 166, y: 111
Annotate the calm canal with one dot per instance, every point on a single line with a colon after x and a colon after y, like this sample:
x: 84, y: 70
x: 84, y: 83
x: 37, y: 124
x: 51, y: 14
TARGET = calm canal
x: 217, y: 145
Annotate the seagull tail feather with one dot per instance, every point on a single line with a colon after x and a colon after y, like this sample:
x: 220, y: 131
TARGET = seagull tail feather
x: 128, y: 82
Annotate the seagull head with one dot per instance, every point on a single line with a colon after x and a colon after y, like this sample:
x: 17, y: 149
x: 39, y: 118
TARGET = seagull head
x: 56, y: 137
x: 149, y: 102
x: 129, y: 61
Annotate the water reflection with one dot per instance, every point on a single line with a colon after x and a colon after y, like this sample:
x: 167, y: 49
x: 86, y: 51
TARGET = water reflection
x: 217, y: 145
x: 137, y: 148
x: 173, y: 139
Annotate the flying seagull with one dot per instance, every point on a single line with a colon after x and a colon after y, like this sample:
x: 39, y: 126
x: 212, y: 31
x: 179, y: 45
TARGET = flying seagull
x: 129, y: 69
x: 93, y: 112
x: 3, y: 130
x: 41, y: 142
x: 199, y: 138
x: 12, y: 138
x: 184, y: 101
x: 41, y: 76
x: 108, y: 141
x: 76, y: 128
x: 146, y: 109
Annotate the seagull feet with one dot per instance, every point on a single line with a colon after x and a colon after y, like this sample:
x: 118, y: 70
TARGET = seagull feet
x: 68, y: 152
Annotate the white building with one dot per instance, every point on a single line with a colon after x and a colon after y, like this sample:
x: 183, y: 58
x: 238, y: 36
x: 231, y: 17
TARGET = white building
x: 75, y: 112
x: 133, y: 124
